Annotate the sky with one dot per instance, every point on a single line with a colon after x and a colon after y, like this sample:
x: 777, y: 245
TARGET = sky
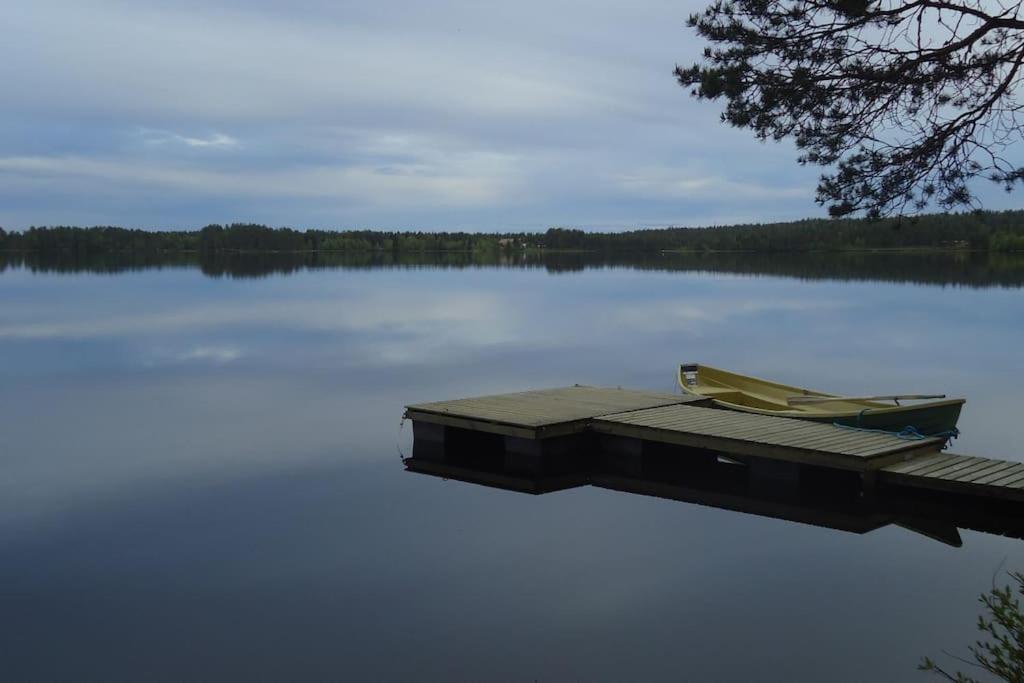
x: 395, y: 115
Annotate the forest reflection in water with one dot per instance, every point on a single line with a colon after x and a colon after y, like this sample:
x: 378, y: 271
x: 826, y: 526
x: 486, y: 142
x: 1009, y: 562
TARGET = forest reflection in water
x: 964, y: 268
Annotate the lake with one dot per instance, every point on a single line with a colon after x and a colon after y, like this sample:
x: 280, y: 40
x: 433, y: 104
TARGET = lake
x: 202, y: 473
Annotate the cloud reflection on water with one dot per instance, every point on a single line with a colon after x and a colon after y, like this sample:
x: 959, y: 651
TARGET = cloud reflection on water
x: 172, y: 441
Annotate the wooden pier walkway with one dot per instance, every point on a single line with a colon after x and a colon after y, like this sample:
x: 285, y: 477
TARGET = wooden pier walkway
x: 551, y: 430
x: 536, y: 416
x: 765, y: 436
x: 965, y: 474
x: 542, y: 414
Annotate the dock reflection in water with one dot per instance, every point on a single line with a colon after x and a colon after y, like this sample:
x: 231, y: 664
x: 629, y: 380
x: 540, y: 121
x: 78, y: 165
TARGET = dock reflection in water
x: 824, y: 498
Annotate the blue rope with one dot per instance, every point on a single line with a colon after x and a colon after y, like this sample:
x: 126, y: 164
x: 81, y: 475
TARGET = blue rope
x: 909, y: 432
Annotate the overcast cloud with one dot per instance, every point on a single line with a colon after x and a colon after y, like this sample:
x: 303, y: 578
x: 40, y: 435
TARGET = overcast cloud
x: 442, y: 115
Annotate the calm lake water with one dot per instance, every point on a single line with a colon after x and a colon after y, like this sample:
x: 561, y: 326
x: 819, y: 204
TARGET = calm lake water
x: 201, y: 474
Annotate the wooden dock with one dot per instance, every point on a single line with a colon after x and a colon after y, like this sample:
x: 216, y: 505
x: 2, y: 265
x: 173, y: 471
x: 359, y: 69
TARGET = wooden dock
x: 764, y: 436
x: 554, y: 432
x: 949, y: 472
x: 543, y: 414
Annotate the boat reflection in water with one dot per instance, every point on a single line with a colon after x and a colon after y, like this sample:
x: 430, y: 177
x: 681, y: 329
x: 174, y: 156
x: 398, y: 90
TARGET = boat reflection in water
x: 826, y: 498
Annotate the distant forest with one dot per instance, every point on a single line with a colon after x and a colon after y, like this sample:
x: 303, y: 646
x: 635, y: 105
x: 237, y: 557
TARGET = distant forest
x: 979, y: 231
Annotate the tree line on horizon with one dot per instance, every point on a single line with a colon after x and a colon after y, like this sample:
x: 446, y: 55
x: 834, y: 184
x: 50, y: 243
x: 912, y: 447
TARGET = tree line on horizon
x: 984, y: 231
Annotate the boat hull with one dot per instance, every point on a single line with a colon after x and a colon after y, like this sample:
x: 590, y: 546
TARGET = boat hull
x: 742, y: 393
x: 926, y: 419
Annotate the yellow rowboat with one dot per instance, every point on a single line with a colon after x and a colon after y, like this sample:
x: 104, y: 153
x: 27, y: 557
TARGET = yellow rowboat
x: 753, y: 395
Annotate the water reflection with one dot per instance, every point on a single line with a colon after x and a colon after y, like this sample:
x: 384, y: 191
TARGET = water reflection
x: 972, y: 269
x: 199, y: 476
x: 831, y: 499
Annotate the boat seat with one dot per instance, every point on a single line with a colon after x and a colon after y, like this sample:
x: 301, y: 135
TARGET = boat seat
x: 735, y: 396
x: 723, y: 393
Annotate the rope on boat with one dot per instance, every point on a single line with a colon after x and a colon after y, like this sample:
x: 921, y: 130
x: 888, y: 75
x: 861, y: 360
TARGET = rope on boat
x: 910, y: 432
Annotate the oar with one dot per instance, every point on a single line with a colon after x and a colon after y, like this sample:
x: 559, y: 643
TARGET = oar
x: 796, y: 400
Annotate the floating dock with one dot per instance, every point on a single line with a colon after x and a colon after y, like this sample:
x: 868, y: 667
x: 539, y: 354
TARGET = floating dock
x: 539, y: 415
x: 952, y: 473
x: 762, y: 436
x: 558, y: 432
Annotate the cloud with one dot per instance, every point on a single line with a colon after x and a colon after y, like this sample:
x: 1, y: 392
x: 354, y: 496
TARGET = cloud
x: 403, y: 115
x: 422, y: 314
x: 215, y: 354
x: 214, y: 140
x: 698, y: 314
x: 482, y: 179
x: 240, y: 65
x: 678, y: 183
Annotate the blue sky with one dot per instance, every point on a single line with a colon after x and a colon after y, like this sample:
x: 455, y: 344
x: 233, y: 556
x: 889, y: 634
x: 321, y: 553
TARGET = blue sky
x: 316, y: 113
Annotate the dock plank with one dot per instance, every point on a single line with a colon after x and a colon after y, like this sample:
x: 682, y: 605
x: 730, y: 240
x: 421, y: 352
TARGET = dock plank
x: 918, y: 463
x: 980, y: 470
x: 984, y: 477
x: 1011, y: 478
x: 763, y: 436
x: 949, y: 461
x: 541, y: 413
x: 839, y: 440
x: 1001, y: 468
x: 950, y: 469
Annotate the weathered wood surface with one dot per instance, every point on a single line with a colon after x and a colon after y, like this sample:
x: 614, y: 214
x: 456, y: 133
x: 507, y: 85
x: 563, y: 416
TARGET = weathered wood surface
x: 537, y: 418
x: 541, y: 414
x: 985, y: 477
x: 764, y: 436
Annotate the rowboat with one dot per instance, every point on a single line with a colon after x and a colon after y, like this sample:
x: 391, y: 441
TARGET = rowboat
x: 753, y: 395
